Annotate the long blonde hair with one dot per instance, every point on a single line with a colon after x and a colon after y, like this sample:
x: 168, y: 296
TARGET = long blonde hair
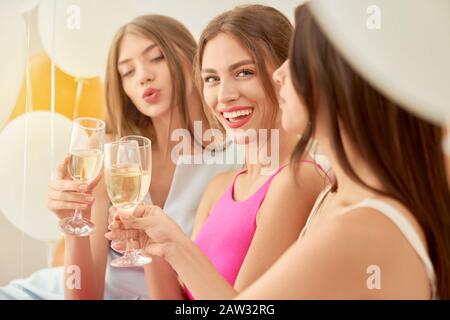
x: 171, y: 36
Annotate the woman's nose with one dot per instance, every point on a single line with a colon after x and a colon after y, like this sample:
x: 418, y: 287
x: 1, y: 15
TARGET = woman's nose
x: 278, y: 74
x: 227, y: 92
x: 146, y: 76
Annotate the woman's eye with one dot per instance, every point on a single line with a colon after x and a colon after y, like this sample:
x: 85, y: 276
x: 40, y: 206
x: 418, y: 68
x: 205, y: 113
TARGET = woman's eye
x: 128, y: 73
x: 244, y: 73
x: 210, y: 79
x: 158, y: 58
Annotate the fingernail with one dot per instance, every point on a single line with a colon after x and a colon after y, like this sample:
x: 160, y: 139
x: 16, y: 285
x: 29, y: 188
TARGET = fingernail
x: 83, y: 187
x: 107, y: 236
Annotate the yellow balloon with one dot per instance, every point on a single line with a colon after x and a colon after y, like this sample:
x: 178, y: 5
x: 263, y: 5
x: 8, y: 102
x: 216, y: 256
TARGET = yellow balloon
x: 91, y: 101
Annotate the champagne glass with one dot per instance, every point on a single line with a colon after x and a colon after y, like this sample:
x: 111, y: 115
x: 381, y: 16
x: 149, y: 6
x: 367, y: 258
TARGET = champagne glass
x: 123, y: 183
x: 86, y: 160
x: 145, y: 153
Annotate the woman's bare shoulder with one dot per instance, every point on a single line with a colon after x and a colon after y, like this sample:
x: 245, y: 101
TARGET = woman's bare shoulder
x: 220, y: 182
x: 356, y: 256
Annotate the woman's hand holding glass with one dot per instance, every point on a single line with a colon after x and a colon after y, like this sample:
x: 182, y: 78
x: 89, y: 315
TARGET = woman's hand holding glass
x: 145, y: 156
x: 83, y: 166
x: 66, y: 195
x: 123, y: 176
x: 155, y: 231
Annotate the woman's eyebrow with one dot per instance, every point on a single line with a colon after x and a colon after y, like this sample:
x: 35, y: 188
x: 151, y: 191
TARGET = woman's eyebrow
x: 231, y: 67
x: 150, y: 47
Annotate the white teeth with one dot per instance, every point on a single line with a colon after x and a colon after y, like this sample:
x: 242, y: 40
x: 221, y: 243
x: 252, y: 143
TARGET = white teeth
x: 235, y: 114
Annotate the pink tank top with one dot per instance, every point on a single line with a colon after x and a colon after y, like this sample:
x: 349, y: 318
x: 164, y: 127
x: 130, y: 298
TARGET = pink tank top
x: 228, y: 231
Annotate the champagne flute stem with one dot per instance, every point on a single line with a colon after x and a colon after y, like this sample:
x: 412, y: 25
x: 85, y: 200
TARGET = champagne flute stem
x: 78, y: 215
x: 128, y: 249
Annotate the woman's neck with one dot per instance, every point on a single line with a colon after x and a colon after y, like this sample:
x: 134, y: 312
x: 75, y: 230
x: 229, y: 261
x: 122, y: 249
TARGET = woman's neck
x: 276, y: 150
x: 349, y: 191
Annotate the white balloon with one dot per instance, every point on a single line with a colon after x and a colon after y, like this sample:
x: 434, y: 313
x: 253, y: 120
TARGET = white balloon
x: 82, y: 52
x: 23, y: 185
x: 12, y: 58
x: 82, y: 33
x: 407, y: 58
x: 25, y: 6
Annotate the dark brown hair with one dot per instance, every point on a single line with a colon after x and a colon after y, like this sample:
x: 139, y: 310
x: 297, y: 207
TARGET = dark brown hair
x: 264, y: 31
x: 403, y: 150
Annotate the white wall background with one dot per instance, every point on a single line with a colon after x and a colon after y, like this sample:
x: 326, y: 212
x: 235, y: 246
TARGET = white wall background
x: 195, y: 14
x: 20, y: 255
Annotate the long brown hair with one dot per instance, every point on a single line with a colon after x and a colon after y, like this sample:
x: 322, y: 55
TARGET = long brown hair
x: 172, y: 37
x: 263, y: 31
x: 403, y: 150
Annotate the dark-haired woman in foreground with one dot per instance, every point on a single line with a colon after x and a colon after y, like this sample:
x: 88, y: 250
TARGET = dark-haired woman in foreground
x: 383, y: 230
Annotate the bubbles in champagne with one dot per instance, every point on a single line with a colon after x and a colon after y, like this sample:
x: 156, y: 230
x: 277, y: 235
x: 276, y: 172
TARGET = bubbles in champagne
x: 123, y: 184
x: 85, y: 165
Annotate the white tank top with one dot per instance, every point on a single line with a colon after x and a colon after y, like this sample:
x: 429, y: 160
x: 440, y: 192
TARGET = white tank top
x: 398, y: 219
x: 188, y: 184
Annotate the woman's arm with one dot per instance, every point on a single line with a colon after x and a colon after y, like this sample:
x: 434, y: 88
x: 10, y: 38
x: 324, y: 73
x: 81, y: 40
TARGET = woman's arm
x: 280, y: 220
x: 89, y: 254
x: 357, y: 255
x: 84, y: 257
x: 162, y: 280
x: 198, y: 273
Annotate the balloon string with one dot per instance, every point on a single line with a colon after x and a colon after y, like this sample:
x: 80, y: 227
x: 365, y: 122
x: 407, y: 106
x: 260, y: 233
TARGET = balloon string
x: 80, y: 83
x: 52, y: 97
x: 29, y: 93
x: 52, y: 113
x: 25, y: 144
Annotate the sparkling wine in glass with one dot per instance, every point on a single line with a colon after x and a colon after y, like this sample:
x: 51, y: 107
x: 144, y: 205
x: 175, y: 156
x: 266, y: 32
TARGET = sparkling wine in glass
x: 86, y: 160
x: 145, y: 153
x: 123, y: 176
